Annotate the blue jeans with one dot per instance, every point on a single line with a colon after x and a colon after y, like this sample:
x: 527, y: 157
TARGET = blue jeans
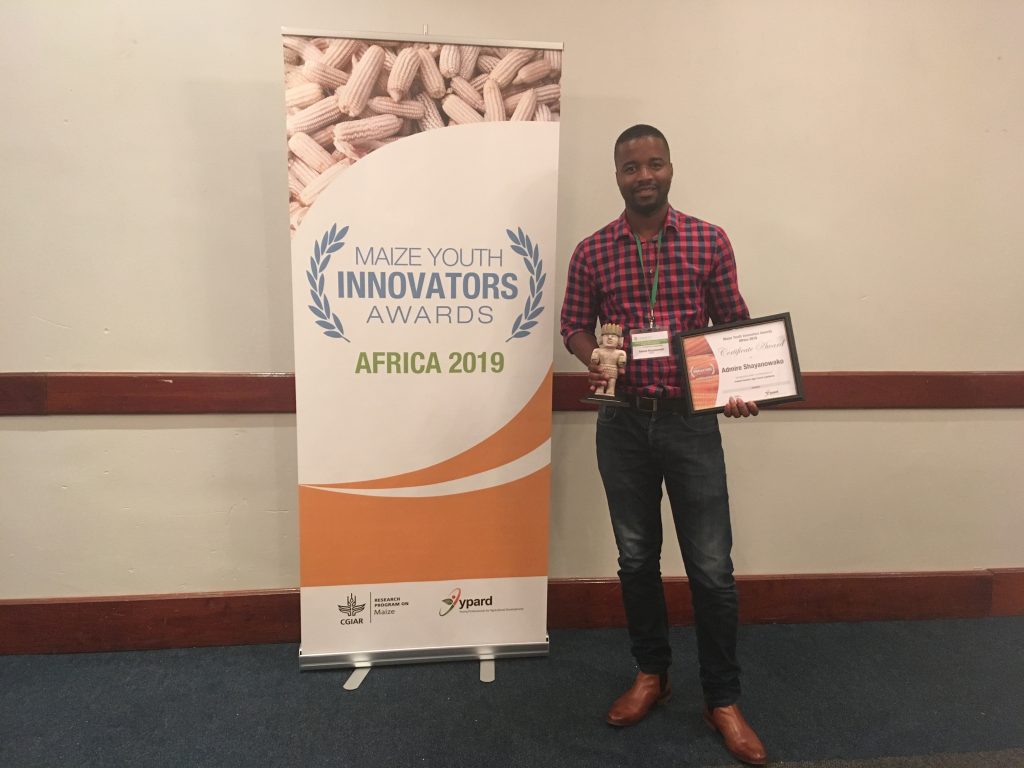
x: 636, y: 451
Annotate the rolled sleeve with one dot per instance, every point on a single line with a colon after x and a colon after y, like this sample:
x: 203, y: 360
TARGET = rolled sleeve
x: 580, y: 308
x: 725, y: 304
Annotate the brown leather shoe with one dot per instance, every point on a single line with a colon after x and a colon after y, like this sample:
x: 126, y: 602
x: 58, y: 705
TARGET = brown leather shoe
x: 740, y: 739
x: 646, y: 692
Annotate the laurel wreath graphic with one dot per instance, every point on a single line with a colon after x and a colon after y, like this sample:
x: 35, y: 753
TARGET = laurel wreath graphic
x: 530, y: 252
x: 332, y: 241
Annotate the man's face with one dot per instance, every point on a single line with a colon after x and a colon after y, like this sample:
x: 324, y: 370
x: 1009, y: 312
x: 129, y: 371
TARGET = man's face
x: 610, y: 341
x: 643, y: 172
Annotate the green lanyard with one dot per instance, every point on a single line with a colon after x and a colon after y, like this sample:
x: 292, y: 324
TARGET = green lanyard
x: 657, y: 269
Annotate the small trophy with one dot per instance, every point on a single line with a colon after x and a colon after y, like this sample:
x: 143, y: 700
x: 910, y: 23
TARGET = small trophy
x: 611, y: 358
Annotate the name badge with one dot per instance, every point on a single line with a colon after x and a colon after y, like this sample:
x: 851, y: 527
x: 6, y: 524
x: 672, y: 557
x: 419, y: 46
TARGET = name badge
x: 650, y: 344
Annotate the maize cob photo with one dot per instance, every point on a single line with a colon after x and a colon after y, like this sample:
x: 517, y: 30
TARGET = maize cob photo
x: 345, y: 98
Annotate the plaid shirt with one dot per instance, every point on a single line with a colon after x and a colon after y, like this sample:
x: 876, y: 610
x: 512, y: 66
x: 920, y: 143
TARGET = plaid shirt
x: 696, y: 283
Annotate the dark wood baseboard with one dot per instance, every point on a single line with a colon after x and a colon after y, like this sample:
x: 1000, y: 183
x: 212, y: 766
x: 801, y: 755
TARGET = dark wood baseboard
x: 147, y: 622
x: 49, y: 394
x: 1008, y: 592
x: 795, y: 599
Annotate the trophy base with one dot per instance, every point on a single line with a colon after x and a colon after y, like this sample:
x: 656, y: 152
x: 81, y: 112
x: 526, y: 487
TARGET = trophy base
x: 609, y: 400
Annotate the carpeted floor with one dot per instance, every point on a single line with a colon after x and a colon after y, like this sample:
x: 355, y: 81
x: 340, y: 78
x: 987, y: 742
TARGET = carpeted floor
x: 1004, y: 757
x: 941, y: 694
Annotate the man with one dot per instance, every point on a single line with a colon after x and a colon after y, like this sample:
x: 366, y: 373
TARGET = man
x: 657, y: 272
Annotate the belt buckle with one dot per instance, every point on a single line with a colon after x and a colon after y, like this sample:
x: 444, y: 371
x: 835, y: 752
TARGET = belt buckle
x: 647, y: 404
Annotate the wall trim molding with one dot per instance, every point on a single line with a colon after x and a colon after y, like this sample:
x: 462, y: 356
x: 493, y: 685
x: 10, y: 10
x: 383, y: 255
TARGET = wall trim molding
x: 51, y: 394
x: 147, y: 622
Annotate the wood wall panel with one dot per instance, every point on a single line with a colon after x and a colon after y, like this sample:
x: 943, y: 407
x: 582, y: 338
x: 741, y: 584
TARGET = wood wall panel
x: 40, y: 394
x: 869, y: 390
x: 22, y: 394
x: 912, y: 389
x: 1008, y: 592
x: 239, y: 618
x: 865, y: 597
x: 148, y: 622
x: 170, y: 393
x: 796, y: 599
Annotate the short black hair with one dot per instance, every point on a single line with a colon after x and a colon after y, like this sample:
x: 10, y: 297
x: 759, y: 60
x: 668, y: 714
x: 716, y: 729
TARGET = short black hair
x: 639, y: 131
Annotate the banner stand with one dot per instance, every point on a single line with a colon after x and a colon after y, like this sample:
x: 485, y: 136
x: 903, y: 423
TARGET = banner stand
x: 422, y: 184
x: 380, y: 658
x: 354, y: 680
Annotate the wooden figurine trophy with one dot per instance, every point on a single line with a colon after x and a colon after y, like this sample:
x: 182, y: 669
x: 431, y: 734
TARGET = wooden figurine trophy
x: 611, y: 358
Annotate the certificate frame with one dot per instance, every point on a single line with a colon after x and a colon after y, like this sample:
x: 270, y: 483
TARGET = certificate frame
x: 747, y: 358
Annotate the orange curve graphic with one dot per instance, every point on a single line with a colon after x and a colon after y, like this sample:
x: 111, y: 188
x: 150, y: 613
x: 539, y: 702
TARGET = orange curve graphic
x: 525, y: 431
x: 499, y: 532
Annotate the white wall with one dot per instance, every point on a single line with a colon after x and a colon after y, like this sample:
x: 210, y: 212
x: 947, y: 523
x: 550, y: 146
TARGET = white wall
x: 865, y: 158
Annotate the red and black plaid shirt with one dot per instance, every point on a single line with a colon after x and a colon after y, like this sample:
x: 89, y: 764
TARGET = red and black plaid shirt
x: 696, y: 283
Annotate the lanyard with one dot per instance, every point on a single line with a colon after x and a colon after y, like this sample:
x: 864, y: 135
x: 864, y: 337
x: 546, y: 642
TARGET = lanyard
x: 657, y: 269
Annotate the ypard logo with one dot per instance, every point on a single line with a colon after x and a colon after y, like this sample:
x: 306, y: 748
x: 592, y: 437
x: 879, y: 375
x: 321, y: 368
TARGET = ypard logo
x: 450, y: 602
x: 456, y: 600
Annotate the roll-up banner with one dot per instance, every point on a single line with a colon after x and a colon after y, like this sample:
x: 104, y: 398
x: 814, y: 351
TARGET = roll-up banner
x: 422, y: 178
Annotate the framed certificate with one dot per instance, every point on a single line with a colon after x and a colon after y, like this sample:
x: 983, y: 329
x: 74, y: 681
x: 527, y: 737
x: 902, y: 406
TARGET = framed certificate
x: 752, y: 359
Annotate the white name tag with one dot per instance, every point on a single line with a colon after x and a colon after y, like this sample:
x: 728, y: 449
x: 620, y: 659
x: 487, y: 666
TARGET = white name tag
x: 649, y: 344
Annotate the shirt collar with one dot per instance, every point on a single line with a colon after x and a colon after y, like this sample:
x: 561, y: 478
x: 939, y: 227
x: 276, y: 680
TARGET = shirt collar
x: 673, y: 221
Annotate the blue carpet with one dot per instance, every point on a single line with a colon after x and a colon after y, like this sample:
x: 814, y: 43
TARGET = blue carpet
x: 817, y: 694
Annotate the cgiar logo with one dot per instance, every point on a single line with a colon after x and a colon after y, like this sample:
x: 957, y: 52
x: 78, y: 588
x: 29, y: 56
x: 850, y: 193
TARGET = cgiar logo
x: 450, y: 602
x: 350, y: 609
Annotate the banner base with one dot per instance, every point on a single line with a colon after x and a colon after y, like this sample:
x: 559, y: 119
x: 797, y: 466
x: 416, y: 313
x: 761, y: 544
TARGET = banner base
x: 356, y: 678
x: 487, y: 670
x: 419, y: 655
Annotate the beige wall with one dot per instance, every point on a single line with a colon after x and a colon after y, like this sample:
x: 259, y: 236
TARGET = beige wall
x: 863, y: 156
